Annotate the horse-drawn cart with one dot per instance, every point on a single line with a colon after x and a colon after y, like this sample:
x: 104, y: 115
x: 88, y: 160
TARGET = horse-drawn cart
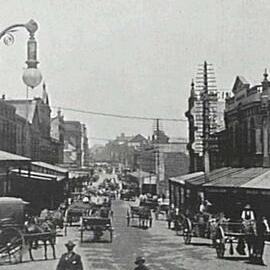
x: 15, y: 236
x: 98, y: 225
x: 75, y: 211
x: 162, y: 209
x: 235, y: 233
x: 200, y: 226
x: 142, y: 214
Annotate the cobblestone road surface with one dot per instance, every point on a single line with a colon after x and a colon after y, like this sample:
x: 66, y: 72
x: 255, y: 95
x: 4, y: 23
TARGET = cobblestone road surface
x: 161, y: 247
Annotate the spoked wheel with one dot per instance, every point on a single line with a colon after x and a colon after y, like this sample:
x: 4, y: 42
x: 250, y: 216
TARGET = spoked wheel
x: 220, y: 249
x: 11, y: 245
x: 187, y: 237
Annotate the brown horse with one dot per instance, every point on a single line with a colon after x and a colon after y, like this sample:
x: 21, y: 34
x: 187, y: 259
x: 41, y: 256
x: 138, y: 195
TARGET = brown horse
x: 44, y: 231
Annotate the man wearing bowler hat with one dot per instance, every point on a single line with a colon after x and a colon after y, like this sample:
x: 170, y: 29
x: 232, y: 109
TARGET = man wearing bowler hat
x: 140, y: 264
x: 70, y: 260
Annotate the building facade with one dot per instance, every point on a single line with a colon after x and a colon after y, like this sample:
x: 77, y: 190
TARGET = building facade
x: 7, y: 127
x: 247, y: 123
x: 57, y: 135
x: 73, y: 143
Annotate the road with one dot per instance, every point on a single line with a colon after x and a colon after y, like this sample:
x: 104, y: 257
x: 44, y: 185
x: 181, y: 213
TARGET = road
x: 161, y: 247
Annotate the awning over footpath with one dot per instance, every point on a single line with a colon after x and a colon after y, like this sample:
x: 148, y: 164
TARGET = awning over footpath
x: 183, y: 179
x: 9, y: 159
x: 49, y: 167
x: 37, y: 175
x: 228, y: 178
x: 239, y: 178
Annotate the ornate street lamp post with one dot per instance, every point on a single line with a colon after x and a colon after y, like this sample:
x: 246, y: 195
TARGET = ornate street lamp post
x: 31, y: 76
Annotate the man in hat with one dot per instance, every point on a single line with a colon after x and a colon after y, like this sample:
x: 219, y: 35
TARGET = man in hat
x: 140, y: 264
x: 70, y: 260
x: 248, y: 213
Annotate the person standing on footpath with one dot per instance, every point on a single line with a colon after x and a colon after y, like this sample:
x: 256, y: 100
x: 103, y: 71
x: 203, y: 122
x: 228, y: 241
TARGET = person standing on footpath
x: 70, y: 260
x: 140, y: 264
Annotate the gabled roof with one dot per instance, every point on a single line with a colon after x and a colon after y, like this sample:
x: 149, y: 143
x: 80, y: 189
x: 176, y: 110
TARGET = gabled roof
x: 138, y: 138
x: 24, y: 108
x: 240, y: 81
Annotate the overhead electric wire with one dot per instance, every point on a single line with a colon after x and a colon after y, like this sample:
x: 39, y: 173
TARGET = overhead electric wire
x: 132, y: 117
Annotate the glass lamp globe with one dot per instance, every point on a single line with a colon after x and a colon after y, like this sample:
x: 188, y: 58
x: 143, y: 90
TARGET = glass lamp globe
x: 32, y: 77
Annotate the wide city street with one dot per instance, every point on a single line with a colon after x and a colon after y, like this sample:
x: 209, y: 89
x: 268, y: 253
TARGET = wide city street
x: 160, y: 246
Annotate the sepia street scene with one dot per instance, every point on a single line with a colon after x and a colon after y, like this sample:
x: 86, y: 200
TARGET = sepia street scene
x: 134, y: 134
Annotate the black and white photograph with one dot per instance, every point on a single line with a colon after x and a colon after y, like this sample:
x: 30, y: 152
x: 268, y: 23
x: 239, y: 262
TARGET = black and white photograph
x: 134, y: 134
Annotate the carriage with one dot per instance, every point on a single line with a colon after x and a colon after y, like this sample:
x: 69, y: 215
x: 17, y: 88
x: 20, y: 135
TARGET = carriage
x: 75, y: 211
x: 237, y: 235
x: 201, y: 225
x: 15, y: 236
x: 98, y: 225
x: 149, y: 203
x: 162, y: 209
x: 142, y: 214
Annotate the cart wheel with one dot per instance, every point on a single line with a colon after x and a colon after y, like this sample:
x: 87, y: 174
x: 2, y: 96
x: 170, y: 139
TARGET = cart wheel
x: 12, y: 244
x: 187, y: 237
x: 220, y: 249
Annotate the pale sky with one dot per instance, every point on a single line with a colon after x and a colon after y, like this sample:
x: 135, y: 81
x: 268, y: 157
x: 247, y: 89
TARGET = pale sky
x: 134, y: 57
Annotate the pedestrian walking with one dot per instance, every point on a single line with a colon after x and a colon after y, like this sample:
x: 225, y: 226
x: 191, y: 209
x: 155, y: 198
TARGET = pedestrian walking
x: 70, y: 260
x: 262, y: 228
x: 140, y: 264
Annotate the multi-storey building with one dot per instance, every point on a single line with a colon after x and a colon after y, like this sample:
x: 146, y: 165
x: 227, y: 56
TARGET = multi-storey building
x: 32, y: 128
x: 247, y: 123
x: 73, y: 143
x: 57, y: 135
x: 7, y: 127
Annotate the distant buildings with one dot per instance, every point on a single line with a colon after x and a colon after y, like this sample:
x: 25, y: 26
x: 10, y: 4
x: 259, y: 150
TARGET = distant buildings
x: 157, y: 156
x: 58, y: 134
x: 76, y: 148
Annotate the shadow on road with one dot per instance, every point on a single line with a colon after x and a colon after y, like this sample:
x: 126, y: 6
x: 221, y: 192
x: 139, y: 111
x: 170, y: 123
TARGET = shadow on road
x: 235, y: 258
x: 201, y: 245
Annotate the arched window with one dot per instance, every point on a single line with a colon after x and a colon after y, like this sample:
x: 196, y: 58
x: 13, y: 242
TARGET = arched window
x: 252, y: 136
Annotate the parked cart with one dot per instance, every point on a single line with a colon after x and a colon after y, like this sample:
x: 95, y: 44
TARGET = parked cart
x: 199, y: 226
x: 142, y: 214
x: 15, y: 236
x: 97, y: 225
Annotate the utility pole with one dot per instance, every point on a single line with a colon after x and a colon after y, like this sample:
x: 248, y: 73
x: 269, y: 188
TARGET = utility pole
x: 206, y: 122
x: 157, y: 154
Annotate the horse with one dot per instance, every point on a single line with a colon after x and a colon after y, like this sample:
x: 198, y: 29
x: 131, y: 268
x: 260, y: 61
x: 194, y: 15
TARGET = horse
x: 145, y: 217
x: 250, y: 230
x: 36, y: 231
